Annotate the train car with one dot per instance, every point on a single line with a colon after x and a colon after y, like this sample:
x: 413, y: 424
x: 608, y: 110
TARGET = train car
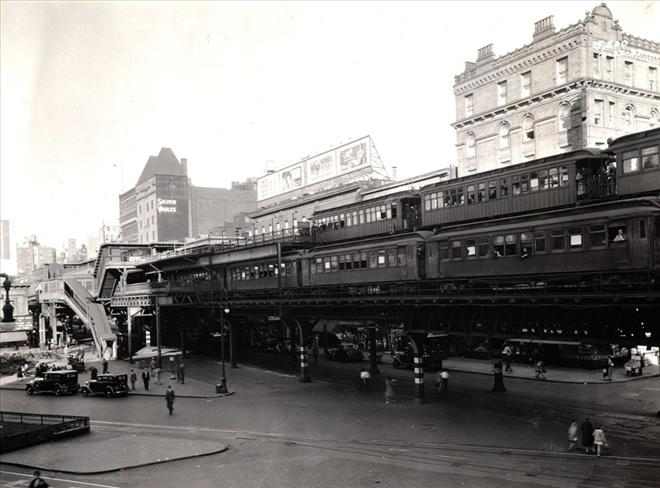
x: 264, y: 274
x: 637, y: 162
x: 374, y: 260
x: 618, y: 237
x: 380, y: 216
x: 552, y: 182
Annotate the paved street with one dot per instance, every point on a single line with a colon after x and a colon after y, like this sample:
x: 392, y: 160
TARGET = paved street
x: 282, y: 433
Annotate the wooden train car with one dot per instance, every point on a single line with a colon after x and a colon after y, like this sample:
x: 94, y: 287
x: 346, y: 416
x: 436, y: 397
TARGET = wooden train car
x: 386, y: 215
x: 637, y: 162
x: 547, y: 183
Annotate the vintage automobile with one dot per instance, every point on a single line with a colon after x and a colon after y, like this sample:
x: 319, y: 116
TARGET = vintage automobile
x: 109, y: 385
x: 345, y: 352
x: 432, y: 361
x: 76, y: 363
x: 62, y: 382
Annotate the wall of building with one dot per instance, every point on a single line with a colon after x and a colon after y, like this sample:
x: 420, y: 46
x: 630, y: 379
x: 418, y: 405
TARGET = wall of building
x: 213, y: 207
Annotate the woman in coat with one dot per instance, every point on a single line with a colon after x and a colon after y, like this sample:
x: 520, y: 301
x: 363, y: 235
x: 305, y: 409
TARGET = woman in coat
x: 599, y: 440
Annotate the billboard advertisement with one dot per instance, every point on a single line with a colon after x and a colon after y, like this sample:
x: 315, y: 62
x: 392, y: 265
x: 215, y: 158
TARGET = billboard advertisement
x: 330, y: 164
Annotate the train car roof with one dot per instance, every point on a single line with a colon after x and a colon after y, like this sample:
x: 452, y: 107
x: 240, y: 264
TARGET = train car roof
x: 555, y: 158
x: 635, y: 138
x: 390, y: 239
x: 371, y: 201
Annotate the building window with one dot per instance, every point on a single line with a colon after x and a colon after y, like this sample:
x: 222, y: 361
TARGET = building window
x: 630, y: 162
x: 562, y: 70
x: 504, y: 136
x: 469, y: 105
x: 598, y: 111
x: 609, y: 68
x: 564, y: 123
x: 611, y: 114
x: 653, y: 78
x: 470, y: 146
x: 528, y: 135
x: 655, y: 117
x: 629, y: 73
x: 650, y: 158
x: 596, y: 65
x: 501, y: 93
x: 629, y: 115
x: 525, y: 84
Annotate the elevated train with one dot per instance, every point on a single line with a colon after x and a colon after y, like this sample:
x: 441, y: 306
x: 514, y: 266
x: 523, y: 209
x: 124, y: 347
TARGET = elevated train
x: 575, y: 216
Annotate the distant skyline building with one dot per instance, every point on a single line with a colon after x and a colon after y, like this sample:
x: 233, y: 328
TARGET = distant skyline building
x: 164, y: 205
x: 566, y: 90
x: 5, y: 240
x: 31, y: 255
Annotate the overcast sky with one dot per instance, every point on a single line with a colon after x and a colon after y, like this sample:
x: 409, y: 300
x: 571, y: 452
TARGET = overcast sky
x: 91, y: 89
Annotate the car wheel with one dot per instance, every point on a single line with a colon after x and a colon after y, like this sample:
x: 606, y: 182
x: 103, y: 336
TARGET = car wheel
x: 29, y: 391
x: 58, y: 391
x: 85, y: 392
x: 109, y: 393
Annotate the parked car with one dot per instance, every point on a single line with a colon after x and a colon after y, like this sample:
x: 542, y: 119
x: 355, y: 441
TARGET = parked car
x: 76, y: 363
x: 345, y: 352
x: 109, y: 385
x: 432, y: 361
x: 62, y: 382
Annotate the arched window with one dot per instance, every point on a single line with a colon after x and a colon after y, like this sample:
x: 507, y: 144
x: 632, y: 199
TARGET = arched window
x: 504, y: 136
x: 655, y: 117
x: 470, y: 145
x: 564, y: 116
x: 629, y: 115
x: 528, y: 128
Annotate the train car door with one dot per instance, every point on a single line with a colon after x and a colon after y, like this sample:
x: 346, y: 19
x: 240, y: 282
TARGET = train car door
x: 421, y: 260
x: 410, y: 214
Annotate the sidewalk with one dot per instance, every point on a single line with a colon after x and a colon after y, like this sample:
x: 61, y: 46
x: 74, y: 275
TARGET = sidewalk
x: 104, y: 452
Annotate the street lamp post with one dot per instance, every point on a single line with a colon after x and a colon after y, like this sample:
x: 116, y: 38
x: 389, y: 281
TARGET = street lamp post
x: 7, y: 309
x: 222, y: 387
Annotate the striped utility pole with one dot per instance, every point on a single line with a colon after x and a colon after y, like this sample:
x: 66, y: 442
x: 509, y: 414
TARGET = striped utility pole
x: 304, y: 366
x: 419, y: 377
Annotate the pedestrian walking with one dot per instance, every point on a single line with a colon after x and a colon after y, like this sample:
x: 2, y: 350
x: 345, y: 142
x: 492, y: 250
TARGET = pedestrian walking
x: 389, y: 390
x: 180, y: 373
x: 104, y: 363
x: 498, y: 377
x: 610, y: 367
x: 37, y: 481
x: 444, y: 382
x: 507, y: 356
x: 599, y: 440
x: 540, y: 370
x: 169, y: 399
x: 587, y: 431
x: 315, y: 352
x: 145, y: 379
x: 365, y: 379
x: 133, y: 378
x: 572, y: 435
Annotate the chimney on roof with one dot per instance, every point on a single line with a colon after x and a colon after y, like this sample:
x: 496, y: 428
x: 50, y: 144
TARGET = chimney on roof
x: 544, y: 28
x: 485, y: 54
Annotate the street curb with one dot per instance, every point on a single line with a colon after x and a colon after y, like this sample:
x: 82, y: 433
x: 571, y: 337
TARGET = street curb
x: 130, y: 393
x: 224, y: 448
x: 573, y: 382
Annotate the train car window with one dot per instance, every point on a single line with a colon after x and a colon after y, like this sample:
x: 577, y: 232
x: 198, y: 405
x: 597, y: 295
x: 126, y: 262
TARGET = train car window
x: 456, y: 250
x: 381, y: 259
x: 348, y: 259
x: 511, y: 248
x: 504, y: 188
x: 401, y: 256
x: 650, y: 159
x: 524, y: 184
x: 394, y: 210
x: 342, y: 262
x: 525, y: 245
x: 441, y: 199
x: 389, y: 211
x: 391, y: 258
x: 484, y: 247
x: 461, y: 196
x: 558, y: 240
x: 597, y: 236
x: 471, y: 197
x: 534, y: 182
x: 334, y: 261
x: 642, y: 229
x: 470, y: 248
x: 383, y: 212
x: 492, y: 190
x: 617, y: 233
x: 363, y: 259
x: 630, y: 162
x: 515, y: 186
x: 349, y: 220
x: 427, y: 202
x: 368, y: 216
x: 355, y: 218
x: 575, y: 238
x: 373, y: 260
x: 447, y: 199
x: 481, y: 193
x: 361, y: 216
x: 553, y: 175
x: 498, y: 246
x: 563, y: 176
x: 326, y: 264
